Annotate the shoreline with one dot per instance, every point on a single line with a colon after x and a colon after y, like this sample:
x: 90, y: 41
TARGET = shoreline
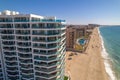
x: 90, y: 64
x: 107, y: 62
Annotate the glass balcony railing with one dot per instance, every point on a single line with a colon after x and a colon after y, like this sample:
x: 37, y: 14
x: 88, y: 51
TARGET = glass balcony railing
x: 27, y: 71
x: 8, y: 38
x: 10, y: 53
x: 48, y: 40
x: 48, y: 59
x: 11, y: 63
x: 39, y: 33
x: 26, y: 66
x: 11, y: 58
x: 48, y: 27
x: 27, y: 76
x: 46, y: 20
x: 12, y: 68
x: 49, y: 47
x: 49, y: 76
x: 21, y: 20
x: 24, y: 49
x: 13, y: 73
x: 8, y: 42
x: 26, y: 61
x: 15, y: 77
x: 42, y: 20
x: 53, y: 69
x: 6, y: 20
x: 6, y: 26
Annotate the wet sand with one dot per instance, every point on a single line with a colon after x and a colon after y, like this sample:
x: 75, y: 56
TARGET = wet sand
x: 88, y: 65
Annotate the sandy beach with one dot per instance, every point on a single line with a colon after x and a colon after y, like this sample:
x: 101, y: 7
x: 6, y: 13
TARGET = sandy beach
x: 88, y: 65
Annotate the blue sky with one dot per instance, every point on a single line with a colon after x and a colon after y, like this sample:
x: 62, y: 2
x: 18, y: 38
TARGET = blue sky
x: 73, y: 11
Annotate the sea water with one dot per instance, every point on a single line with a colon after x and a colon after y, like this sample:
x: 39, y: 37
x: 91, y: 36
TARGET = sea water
x: 110, y: 36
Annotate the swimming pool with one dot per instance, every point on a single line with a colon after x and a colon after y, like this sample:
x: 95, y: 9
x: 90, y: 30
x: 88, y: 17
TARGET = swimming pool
x: 82, y: 41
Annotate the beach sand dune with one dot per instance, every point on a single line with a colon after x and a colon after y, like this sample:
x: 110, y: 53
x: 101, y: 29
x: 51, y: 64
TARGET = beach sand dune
x: 88, y: 65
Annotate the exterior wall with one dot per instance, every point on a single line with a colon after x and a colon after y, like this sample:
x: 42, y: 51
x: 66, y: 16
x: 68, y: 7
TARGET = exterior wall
x: 72, y: 33
x: 33, y: 48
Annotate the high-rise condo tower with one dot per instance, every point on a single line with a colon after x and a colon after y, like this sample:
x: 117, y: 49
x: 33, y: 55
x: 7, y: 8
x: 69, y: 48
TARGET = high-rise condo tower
x: 32, y: 47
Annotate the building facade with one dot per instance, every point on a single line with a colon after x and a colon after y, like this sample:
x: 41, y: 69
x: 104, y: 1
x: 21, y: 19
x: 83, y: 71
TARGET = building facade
x: 32, y: 47
x: 72, y: 33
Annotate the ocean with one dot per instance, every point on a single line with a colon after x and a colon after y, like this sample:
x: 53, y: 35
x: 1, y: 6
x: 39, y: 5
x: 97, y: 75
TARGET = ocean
x: 110, y: 36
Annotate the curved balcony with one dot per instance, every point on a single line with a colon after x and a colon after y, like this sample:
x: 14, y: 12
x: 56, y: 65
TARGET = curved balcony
x: 23, y: 32
x: 37, y: 58
x: 48, y: 27
x: 50, y: 64
x: 23, y: 38
x: 10, y: 54
x: 25, y: 60
x: 22, y: 26
x: 11, y: 63
x: 27, y: 76
x: 11, y: 59
x: 48, y: 41
x: 49, y: 70
x: 7, y: 32
x: 27, y: 50
x: 49, y: 53
x: 8, y: 37
x: 12, y: 73
x: 25, y: 66
x: 8, y: 43
x: 24, y: 71
x: 44, y: 47
x: 12, y: 68
x: 47, y: 20
x: 48, y: 76
x: 15, y: 77
x: 13, y: 48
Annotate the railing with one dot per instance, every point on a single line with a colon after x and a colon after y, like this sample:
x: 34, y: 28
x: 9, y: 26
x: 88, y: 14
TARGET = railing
x: 47, y: 27
x: 42, y: 20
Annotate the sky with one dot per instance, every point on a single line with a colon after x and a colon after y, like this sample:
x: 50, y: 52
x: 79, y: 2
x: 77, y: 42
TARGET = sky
x: 105, y: 12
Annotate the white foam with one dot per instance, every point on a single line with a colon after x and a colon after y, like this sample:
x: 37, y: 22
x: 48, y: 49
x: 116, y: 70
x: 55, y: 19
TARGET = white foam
x: 106, y: 60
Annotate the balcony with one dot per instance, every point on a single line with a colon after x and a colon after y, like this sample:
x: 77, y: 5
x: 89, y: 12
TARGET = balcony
x: 37, y: 58
x: 27, y: 71
x: 48, y: 40
x: 27, y: 76
x: 6, y: 26
x: 26, y: 60
x: 7, y: 32
x: 24, y: 38
x: 8, y: 42
x: 11, y: 77
x: 46, y: 20
x: 22, y: 26
x: 11, y: 59
x: 48, y: 70
x: 23, y: 32
x: 24, y: 50
x: 12, y: 68
x: 12, y: 54
x: 9, y: 48
x: 8, y: 37
x: 48, y: 76
x: 46, y: 27
x: 6, y: 20
x: 11, y: 64
x: 13, y: 73
x: 26, y: 66
x: 24, y: 44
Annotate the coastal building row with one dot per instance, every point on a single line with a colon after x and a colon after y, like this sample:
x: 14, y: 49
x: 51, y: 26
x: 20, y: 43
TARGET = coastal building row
x: 73, y: 32
x: 32, y: 47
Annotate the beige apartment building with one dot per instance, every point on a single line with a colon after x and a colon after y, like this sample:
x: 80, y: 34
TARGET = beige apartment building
x: 72, y: 33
